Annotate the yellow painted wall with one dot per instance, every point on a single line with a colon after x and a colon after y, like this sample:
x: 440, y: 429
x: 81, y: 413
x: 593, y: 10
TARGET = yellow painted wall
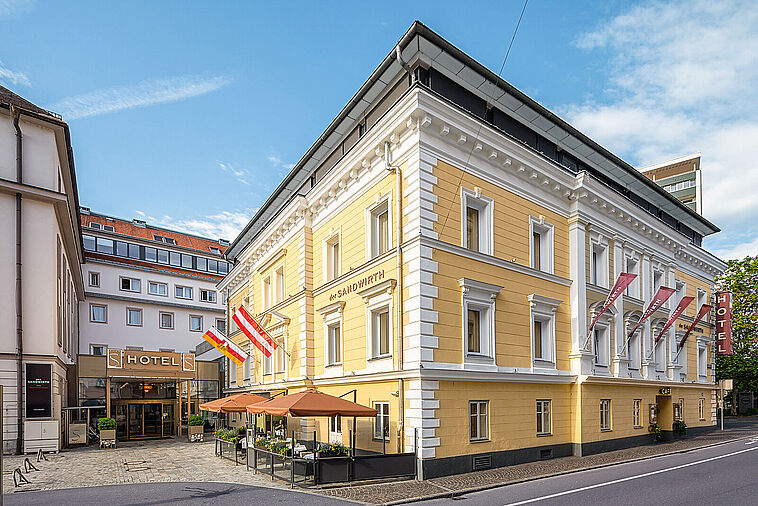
x: 512, y: 419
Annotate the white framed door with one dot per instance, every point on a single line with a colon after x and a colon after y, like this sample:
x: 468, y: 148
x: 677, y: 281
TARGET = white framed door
x: 335, y: 429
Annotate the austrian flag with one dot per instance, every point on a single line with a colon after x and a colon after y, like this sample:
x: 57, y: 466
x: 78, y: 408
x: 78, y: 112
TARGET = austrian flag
x: 228, y: 348
x: 254, y: 332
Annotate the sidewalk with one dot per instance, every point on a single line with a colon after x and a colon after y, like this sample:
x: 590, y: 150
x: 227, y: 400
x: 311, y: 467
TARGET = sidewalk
x: 448, y: 486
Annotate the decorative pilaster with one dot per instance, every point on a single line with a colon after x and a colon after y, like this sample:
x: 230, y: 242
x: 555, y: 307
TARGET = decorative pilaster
x: 581, y: 357
x: 620, y: 355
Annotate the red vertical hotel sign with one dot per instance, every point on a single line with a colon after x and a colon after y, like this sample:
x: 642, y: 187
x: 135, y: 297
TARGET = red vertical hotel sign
x: 724, y: 323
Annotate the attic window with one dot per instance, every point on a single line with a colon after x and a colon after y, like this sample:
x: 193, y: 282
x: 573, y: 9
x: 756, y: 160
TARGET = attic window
x: 223, y: 242
x: 109, y: 228
x: 214, y: 250
x: 94, y: 225
x: 167, y: 240
x: 139, y: 223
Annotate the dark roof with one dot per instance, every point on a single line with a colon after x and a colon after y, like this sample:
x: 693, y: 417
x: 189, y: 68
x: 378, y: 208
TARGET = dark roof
x: 8, y: 97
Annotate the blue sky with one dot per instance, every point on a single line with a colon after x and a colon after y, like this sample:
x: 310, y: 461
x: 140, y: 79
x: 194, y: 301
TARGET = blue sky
x: 190, y: 113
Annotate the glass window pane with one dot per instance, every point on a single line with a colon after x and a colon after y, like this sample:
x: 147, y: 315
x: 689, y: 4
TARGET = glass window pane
x: 202, y: 264
x: 538, y: 339
x: 151, y: 254
x: 134, y: 251
x: 162, y: 256
x: 174, y: 258
x: 212, y: 265
x: 472, y: 228
x: 89, y: 242
x: 186, y: 261
x: 474, y: 337
x: 223, y: 267
x: 121, y: 248
x: 104, y: 246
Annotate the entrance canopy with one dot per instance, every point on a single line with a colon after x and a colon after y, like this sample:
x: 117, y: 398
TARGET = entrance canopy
x: 310, y: 403
x: 236, y: 403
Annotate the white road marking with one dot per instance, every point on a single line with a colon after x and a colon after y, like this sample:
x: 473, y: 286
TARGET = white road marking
x: 628, y: 478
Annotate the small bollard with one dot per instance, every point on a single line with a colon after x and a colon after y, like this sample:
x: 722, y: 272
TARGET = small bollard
x: 19, y: 474
x: 28, y: 466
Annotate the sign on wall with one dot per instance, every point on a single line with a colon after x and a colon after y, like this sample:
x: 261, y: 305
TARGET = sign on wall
x: 151, y: 360
x: 724, y: 323
x: 39, y: 393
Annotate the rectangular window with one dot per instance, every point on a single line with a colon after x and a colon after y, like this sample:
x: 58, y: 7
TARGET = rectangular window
x: 702, y: 299
x: 167, y: 240
x: 202, y: 264
x: 196, y: 323
x: 380, y: 238
x: 382, y: 421
x: 109, y: 228
x: 380, y: 332
x: 89, y: 242
x: 151, y: 254
x: 605, y: 414
x: 598, y: 266
x: 334, y: 338
x: 637, y: 408
x: 221, y: 325
x: 174, y: 258
x: 155, y: 288
x: 122, y: 249
x: 162, y: 256
x: 541, y: 245
x: 478, y: 425
x: 183, y: 292
x: 633, y: 289
x: 98, y: 349
x: 280, y: 284
x: 657, y: 280
x: 536, y: 250
x: 332, y: 258
x: 702, y: 362
x: 94, y: 279
x: 701, y: 409
x: 268, y: 363
x: 94, y: 225
x: 186, y: 261
x: 166, y: 320
x: 472, y: 228
x: 207, y: 295
x: 98, y: 313
x: 335, y: 424
x: 246, y: 365
x: 104, y: 246
x: 130, y: 285
x: 232, y: 372
x: 543, y: 418
x: 213, y: 265
x: 281, y: 363
x: 134, y: 251
x: 474, y: 330
x: 600, y: 346
x: 266, y: 293
x: 133, y: 317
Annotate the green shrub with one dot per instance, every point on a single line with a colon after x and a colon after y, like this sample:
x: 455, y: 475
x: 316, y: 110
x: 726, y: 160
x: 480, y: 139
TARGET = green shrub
x: 656, y: 432
x: 231, y: 435
x: 105, y: 423
x: 332, y: 450
x: 196, y: 420
x: 680, y: 428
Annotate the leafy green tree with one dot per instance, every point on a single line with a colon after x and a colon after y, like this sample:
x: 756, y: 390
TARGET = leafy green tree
x: 741, y: 278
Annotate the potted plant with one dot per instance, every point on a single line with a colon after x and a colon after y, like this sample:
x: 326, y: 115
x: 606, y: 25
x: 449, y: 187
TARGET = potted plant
x: 107, y: 428
x: 332, y: 450
x: 680, y: 428
x: 195, y: 428
x: 655, y: 431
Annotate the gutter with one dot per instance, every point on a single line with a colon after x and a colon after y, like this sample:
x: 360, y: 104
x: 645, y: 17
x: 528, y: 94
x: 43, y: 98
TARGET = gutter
x: 16, y: 114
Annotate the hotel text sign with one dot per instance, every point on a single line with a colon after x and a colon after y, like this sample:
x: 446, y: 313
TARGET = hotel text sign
x: 723, y: 323
x: 357, y: 285
x: 137, y: 359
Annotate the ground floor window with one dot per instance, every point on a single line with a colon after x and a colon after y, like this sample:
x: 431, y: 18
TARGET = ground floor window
x: 543, y: 418
x: 382, y: 420
x: 605, y: 414
x: 638, y: 412
x: 701, y: 409
x: 478, y: 424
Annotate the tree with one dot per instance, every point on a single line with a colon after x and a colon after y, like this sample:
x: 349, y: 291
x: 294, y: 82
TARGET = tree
x: 741, y: 278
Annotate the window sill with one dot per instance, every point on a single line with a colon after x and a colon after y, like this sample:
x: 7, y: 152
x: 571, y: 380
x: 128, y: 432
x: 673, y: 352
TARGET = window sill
x: 336, y: 364
x: 638, y: 427
x: 547, y: 434
x: 543, y: 364
x: 487, y: 440
x: 606, y: 430
x: 379, y: 440
x: 379, y: 357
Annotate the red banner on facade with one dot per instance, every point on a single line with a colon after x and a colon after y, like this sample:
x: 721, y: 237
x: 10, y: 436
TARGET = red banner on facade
x: 724, y: 323
x: 622, y: 282
x: 661, y: 296
x: 704, y: 309
x: 677, y: 312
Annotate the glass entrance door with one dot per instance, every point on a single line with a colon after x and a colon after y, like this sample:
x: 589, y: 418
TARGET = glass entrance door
x: 168, y: 420
x: 152, y: 420
x: 135, y: 420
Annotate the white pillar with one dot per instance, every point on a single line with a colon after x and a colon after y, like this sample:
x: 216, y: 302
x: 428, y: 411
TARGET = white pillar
x: 621, y: 356
x: 581, y: 359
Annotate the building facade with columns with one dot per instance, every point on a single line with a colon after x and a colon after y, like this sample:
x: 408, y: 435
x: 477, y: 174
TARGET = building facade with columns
x: 442, y: 249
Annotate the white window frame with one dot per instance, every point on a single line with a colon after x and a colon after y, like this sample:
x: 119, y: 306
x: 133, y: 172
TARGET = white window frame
x: 184, y: 292
x: 208, y: 299
x: 280, y: 360
x: 381, y: 420
x: 150, y: 284
x: 479, y: 296
x: 232, y: 372
x: 702, y: 298
x: 93, y: 346
x: 702, y: 360
x: 280, y: 287
x: 542, y: 309
x: 375, y: 298
x: 633, y: 290
x: 544, y: 417
x: 606, y: 415
x: 266, y: 293
x: 96, y: 276
x: 331, y: 267
x: 371, y: 212
x: 602, y: 356
x: 547, y: 244
x: 246, y: 365
x: 485, y: 206
x: 223, y: 322
x: 267, y: 364
x: 599, y: 264
x: 482, y: 421
x: 105, y: 313
x: 635, y: 358
x: 160, y: 320
x: 141, y: 317
x: 658, y: 279
x: 131, y: 284
x: 190, y: 322
x: 637, y: 413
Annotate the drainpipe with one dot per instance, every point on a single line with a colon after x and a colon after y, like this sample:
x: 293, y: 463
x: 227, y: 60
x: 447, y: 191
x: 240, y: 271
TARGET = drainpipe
x: 15, y: 113
x: 399, y: 270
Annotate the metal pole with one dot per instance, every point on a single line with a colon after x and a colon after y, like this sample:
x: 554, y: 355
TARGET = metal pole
x: 2, y: 443
x: 721, y: 386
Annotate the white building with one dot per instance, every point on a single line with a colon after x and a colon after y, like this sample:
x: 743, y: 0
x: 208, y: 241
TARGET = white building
x: 147, y: 288
x: 40, y: 269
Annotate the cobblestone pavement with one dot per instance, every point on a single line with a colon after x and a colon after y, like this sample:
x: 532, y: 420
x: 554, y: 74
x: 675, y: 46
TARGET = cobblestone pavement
x: 403, y: 491
x: 167, y: 460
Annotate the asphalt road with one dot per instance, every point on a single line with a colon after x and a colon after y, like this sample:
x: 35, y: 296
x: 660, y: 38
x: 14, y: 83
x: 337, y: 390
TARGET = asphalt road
x: 170, y: 493
x: 724, y: 475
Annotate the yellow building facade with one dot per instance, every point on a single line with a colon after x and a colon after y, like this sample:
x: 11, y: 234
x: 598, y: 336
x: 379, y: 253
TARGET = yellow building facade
x: 428, y: 261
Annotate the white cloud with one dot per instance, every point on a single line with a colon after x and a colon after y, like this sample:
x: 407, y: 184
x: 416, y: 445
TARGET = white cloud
x: 149, y: 92
x: 683, y: 77
x: 241, y: 175
x: 12, y: 76
x: 222, y: 225
x: 738, y: 250
x: 274, y: 159
x: 11, y: 7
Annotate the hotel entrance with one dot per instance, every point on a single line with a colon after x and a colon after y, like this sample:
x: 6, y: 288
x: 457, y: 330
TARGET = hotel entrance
x: 145, y: 420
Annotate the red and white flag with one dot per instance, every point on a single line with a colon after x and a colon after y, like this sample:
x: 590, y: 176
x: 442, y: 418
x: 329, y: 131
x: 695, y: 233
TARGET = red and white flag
x: 661, y: 296
x: 624, y: 279
x: 234, y: 352
x: 228, y: 348
x: 254, y: 332
x: 704, y: 310
x: 677, y: 312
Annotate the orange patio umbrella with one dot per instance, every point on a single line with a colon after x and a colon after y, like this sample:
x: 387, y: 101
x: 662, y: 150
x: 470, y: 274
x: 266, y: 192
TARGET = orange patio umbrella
x: 310, y: 403
x: 236, y: 403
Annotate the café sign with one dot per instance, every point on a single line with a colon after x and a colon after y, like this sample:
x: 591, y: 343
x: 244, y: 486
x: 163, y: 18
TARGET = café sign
x: 155, y: 360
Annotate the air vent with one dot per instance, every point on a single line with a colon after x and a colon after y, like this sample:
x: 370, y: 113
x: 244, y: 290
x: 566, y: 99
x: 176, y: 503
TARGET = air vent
x: 482, y: 462
x: 546, y: 454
